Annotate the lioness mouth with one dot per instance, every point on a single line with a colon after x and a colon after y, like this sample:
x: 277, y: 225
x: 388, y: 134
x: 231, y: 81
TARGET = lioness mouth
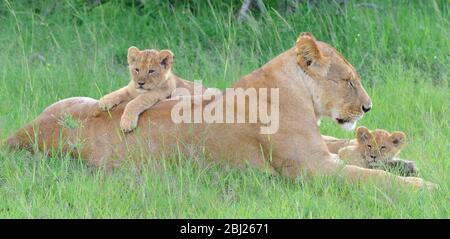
x: 342, y: 121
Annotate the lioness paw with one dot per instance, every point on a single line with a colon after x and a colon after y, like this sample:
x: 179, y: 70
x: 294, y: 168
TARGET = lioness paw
x: 128, y: 123
x: 418, y: 183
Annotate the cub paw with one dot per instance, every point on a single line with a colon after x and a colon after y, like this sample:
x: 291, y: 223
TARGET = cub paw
x: 105, y: 105
x: 410, y: 169
x: 128, y: 123
x: 96, y: 112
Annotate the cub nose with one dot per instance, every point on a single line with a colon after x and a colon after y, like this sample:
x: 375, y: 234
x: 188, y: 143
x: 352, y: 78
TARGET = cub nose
x: 366, y: 108
x: 373, y: 156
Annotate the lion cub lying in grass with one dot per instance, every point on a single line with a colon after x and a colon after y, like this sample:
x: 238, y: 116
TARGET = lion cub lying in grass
x: 377, y: 149
x: 151, y: 81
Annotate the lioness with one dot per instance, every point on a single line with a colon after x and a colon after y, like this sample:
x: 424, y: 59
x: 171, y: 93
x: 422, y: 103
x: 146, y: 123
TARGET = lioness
x: 314, y: 81
x: 377, y: 149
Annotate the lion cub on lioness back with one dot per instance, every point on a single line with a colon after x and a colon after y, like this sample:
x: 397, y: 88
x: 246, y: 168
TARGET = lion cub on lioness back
x: 151, y: 81
x: 377, y: 149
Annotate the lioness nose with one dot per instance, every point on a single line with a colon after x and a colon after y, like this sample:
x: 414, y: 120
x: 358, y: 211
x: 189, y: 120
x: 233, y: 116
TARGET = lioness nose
x: 366, y: 109
x: 141, y: 83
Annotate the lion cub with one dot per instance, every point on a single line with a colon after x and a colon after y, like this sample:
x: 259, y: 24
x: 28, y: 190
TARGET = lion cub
x: 151, y: 81
x: 377, y: 149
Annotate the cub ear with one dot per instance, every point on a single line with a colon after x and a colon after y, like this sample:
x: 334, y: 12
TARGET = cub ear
x: 133, y: 53
x: 309, y: 56
x: 166, y: 58
x: 363, y: 135
x: 398, y: 139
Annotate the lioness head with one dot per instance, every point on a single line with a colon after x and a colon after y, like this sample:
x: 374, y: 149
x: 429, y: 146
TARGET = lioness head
x: 149, y: 68
x: 379, y: 145
x: 338, y: 92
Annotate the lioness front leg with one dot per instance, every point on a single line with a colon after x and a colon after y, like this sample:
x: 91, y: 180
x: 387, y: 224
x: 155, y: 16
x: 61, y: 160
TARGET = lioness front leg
x: 333, y: 166
x: 351, y: 155
x: 110, y: 100
x: 335, y: 144
x: 324, y: 164
x: 134, y: 108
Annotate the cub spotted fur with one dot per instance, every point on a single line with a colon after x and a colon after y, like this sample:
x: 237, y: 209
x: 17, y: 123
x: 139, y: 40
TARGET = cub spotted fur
x: 151, y: 81
x: 377, y: 149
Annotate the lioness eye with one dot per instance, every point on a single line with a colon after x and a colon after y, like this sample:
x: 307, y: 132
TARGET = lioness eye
x: 351, y: 84
x: 151, y: 71
x: 369, y: 146
x: 383, y: 147
x: 137, y: 70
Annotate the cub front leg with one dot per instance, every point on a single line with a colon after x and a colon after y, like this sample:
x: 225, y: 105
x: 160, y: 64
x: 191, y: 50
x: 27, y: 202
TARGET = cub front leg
x: 407, y: 168
x: 110, y: 100
x: 134, y: 108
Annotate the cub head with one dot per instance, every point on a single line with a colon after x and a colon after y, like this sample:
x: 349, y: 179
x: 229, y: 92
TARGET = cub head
x: 149, y: 68
x: 379, y: 145
x: 336, y: 87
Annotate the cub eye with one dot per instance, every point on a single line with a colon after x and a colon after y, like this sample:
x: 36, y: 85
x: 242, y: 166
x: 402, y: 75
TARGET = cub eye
x: 151, y: 71
x: 369, y: 146
x: 137, y: 70
x: 308, y: 62
x: 382, y: 148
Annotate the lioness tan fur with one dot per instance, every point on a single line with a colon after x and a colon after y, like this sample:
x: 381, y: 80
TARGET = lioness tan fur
x: 377, y: 149
x: 314, y: 81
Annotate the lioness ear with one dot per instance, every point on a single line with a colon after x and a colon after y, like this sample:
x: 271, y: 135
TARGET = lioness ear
x: 166, y: 58
x: 309, y: 56
x: 362, y: 135
x: 133, y: 53
x: 398, y: 139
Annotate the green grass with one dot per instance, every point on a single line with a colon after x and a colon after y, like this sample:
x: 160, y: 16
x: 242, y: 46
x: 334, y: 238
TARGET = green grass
x: 401, y: 51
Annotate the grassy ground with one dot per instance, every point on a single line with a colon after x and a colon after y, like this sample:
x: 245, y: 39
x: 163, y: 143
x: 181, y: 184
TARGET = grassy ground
x: 401, y: 50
